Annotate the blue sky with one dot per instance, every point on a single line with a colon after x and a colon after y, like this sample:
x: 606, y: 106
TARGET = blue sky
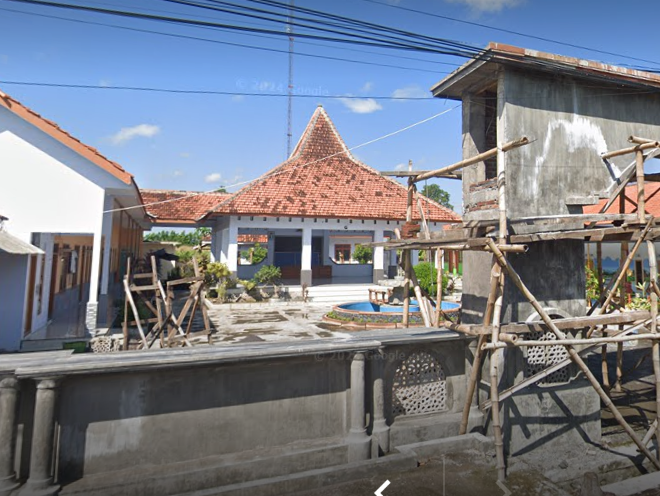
x: 198, y: 142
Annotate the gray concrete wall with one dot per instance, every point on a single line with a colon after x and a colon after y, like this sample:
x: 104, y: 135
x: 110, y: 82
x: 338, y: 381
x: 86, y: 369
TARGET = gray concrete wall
x: 13, y: 280
x: 168, y: 422
x: 572, y: 123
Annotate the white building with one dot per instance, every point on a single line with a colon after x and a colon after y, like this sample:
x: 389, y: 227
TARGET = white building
x: 314, y: 209
x: 58, y: 194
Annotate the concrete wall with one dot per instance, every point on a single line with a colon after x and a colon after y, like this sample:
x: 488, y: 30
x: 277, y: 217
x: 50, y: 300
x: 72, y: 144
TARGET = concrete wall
x: 13, y: 287
x: 168, y: 422
x: 572, y: 123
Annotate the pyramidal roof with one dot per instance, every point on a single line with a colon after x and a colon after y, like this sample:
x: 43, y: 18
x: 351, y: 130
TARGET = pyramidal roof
x: 322, y: 179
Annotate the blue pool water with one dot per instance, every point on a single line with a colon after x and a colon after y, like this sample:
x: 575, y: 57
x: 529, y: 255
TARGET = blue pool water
x: 367, y: 306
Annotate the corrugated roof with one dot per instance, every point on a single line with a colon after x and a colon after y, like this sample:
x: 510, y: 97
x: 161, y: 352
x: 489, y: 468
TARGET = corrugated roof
x: 14, y: 246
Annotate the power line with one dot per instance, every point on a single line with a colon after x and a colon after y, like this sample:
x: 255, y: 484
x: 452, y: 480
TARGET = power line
x: 508, y: 31
x: 240, y: 45
x: 194, y: 22
x: 274, y: 172
x: 207, y: 92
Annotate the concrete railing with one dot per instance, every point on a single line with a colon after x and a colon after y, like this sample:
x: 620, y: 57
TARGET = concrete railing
x: 179, y: 420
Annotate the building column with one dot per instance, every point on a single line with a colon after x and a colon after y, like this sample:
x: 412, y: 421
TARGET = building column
x: 414, y: 257
x: 380, y: 444
x: 106, y: 232
x: 393, y: 269
x: 223, y: 246
x: 232, y: 248
x: 359, y: 444
x: 379, y: 257
x: 92, y: 303
x: 9, y: 388
x: 40, y: 481
x: 306, y: 257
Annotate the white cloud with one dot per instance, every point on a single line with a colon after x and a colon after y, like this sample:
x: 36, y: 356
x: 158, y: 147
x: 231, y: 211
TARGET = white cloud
x: 401, y: 167
x: 184, y: 155
x: 488, y: 5
x: 177, y: 173
x: 411, y: 91
x: 362, y: 105
x: 237, y: 98
x: 214, y: 177
x: 105, y: 83
x: 367, y: 87
x: 128, y: 133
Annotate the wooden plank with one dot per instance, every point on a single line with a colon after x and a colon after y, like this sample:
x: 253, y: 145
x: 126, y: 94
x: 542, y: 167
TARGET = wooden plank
x: 568, y: 323
x: 185, y: 280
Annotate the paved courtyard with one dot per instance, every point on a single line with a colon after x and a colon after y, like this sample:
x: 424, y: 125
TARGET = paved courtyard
x: 264, y: 322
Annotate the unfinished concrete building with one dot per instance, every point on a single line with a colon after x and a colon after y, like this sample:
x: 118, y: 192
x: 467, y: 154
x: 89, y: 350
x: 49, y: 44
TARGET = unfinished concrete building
x: 543, y: 136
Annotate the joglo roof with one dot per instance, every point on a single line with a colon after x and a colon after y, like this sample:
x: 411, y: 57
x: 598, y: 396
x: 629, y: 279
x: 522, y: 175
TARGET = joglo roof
x: 322, y: 179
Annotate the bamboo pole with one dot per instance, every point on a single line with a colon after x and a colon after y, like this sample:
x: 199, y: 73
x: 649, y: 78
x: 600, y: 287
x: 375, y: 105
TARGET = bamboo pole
x: 599, y: 266
x: 476, y: 363
x: 473, y: 160
x: 573, y: 354
x: 655, y: 349
x: 494, y: 387
x: 639, y: 141
x: 623, y: 293
x: 439, y: 257
x: 129, y: 297
x: 125, y: 324
x: 406, y: 288
x: 633, y: 149
x: 639, y: 159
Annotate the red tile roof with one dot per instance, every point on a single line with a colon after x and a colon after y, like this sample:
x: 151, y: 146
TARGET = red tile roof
x: 180, y: 206
x: 253, y: 238
x: 56, y: 132
x: 651, y: 205
x: 322, y: 179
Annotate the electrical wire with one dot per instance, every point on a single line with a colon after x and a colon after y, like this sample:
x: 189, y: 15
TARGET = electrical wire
x: 210, y: 92
x: 274, y: 172
x: 508, y: 31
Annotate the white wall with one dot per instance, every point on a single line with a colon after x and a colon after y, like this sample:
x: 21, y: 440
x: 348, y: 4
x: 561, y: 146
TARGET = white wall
x: 13, y: 281
x: 47, y: 187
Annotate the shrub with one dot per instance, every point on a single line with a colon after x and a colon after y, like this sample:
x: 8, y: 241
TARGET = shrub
x: 268, y: 274
x: 427, y: 275
x: 216, y: 273
x: 256, y: 254
x: 363, y: 254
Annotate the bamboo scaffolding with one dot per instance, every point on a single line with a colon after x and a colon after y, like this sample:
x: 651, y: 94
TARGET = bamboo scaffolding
x: 655, y: 349
x: 515, y: 278
x: 533, y: 379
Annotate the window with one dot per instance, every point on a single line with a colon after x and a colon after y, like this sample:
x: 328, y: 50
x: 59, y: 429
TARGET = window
x: 342, y: 253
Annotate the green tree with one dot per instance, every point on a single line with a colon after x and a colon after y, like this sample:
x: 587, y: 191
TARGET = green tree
x: 437, y: 194
x: 363, y: 254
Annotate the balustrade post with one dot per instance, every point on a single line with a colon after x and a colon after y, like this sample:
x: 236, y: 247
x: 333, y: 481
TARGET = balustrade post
x: 40, y: 481
x: 9, y: 389
x: 359, y: 445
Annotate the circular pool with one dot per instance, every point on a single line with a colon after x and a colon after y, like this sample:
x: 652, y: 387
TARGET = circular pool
x: 368, y: 314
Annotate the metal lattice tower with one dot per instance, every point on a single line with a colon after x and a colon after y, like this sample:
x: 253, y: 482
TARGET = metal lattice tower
x: 289, y: 29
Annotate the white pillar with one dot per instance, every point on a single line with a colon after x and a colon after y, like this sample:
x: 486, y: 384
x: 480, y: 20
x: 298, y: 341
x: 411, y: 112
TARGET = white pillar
x: 306, y: 257
x: 232, y: 247
x: 92, y: 303
x: 214, y: 245
x: 379, y: 257
x: 9, y: 389
x: 223, y: 245
x: 414, y: 257
x: 106, y: 232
